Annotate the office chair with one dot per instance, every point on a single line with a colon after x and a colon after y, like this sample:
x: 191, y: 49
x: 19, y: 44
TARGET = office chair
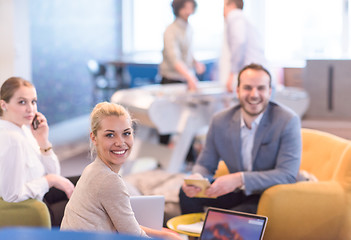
x: 30, y: 212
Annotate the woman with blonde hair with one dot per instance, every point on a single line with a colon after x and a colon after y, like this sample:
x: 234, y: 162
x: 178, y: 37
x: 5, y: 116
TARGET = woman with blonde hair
x: 101, y: 200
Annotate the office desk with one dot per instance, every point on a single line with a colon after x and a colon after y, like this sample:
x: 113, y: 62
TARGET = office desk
x: 54, y: 234
x: 138, y: 69
x: 155, y: 58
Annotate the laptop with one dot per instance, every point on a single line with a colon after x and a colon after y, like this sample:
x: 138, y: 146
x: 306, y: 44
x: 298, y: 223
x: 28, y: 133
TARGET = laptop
x: 227, y: 224
x: 149, y: 210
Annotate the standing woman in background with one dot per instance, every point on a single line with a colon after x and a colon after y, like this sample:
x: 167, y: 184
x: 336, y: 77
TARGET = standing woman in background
x: 28, y: 166
x: 179, y: 64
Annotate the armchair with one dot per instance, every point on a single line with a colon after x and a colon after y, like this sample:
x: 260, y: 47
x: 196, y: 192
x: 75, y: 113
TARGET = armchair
x: 30, y: 212
x: 313, y: 210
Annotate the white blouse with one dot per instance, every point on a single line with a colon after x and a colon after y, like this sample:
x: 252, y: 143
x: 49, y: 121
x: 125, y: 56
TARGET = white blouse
x: 22, y: 166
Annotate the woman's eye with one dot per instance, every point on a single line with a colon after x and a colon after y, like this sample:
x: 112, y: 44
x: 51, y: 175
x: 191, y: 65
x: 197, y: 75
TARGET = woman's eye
x: 127, y: 133
x: 34, y: 102
x: 110, y: 135
x: 22, y: 102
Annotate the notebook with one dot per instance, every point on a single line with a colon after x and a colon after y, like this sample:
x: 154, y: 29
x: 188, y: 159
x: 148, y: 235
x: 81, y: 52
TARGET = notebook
x: 227, y: 224
x: 149, y: 210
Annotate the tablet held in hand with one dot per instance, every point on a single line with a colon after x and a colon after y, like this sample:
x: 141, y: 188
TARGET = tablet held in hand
x: 201, y: 183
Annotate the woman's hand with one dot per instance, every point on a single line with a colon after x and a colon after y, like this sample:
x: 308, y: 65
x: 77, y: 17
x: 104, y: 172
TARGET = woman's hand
x: 61, y: 183
x: 192, y: 83
x: 200, y: 68
x: 41, y: 134
x: 165, y: 233
x: 170, y: 235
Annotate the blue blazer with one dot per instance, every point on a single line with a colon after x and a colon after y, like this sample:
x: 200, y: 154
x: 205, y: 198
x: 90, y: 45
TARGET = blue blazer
x: 276, y: 152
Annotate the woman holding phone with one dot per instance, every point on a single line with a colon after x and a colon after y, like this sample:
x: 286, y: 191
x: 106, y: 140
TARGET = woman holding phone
x: 29, y: 167
x: 101, y: 201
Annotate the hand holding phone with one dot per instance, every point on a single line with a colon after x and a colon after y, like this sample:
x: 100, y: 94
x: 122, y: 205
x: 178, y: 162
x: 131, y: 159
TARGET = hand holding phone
x: 35, y: 122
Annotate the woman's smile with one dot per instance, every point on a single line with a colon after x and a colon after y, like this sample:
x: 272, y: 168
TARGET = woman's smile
x: 114, y: 141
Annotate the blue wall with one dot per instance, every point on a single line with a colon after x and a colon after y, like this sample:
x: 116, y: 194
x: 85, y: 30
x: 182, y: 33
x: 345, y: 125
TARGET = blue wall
x: 65, y: 34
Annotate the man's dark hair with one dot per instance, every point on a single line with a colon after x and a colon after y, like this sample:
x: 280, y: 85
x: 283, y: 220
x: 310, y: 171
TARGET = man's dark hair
x: 239, y: 3
x: 256, y: 67
x: 179, y: 4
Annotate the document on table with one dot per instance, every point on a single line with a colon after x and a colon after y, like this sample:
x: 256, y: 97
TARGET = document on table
x: 193, y: 228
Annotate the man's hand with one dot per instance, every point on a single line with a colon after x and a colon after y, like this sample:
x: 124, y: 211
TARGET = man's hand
x: 224, y: 185
x: 230, y: 82
x: 189, y: 190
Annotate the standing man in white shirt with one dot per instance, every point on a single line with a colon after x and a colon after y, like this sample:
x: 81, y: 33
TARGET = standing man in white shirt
x: 243, y: 40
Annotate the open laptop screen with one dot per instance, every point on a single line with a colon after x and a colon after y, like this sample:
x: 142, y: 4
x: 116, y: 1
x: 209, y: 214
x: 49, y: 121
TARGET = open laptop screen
x: 226, y: 224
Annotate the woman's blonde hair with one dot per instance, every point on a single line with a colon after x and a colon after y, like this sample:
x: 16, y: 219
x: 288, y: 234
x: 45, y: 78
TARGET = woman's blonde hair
x: 102, y: 110
x: 10, y: 86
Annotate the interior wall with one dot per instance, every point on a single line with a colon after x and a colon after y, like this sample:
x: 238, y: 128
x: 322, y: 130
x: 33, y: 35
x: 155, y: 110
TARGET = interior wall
x: 65, y: 34
x: 7, y: 41
x: 15, y: 43
x: 22, y: 58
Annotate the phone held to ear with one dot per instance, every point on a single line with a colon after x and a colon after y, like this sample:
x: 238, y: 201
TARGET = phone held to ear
x: 35, y: 122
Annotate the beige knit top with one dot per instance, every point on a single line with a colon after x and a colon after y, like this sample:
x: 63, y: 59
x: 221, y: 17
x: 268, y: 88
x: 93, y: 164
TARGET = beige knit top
x: 100, y: 202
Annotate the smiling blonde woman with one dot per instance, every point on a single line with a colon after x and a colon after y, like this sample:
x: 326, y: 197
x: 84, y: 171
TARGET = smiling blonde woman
x: 101, y: 200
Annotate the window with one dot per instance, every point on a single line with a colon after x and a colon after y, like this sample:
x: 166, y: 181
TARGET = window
x: 296, y: 30
x: 293, y: 30
x: 144, y: 24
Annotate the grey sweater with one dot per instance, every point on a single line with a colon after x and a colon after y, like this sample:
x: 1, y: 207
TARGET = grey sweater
x: 100, y: 202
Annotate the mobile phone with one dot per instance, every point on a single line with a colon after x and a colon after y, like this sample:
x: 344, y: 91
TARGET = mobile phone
x: 35, y: 122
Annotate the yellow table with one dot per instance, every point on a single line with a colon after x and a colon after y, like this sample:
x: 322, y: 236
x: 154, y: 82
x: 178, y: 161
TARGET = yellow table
x: 185, y: 219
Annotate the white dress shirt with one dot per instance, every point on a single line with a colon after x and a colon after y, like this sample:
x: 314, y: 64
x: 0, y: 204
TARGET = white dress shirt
x: 247, y: 141
x: 244, y: 42
x: 22, y: 166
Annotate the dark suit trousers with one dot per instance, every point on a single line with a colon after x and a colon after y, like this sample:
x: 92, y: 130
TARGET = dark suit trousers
x: 56, y: 201
x: 237, y: 201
